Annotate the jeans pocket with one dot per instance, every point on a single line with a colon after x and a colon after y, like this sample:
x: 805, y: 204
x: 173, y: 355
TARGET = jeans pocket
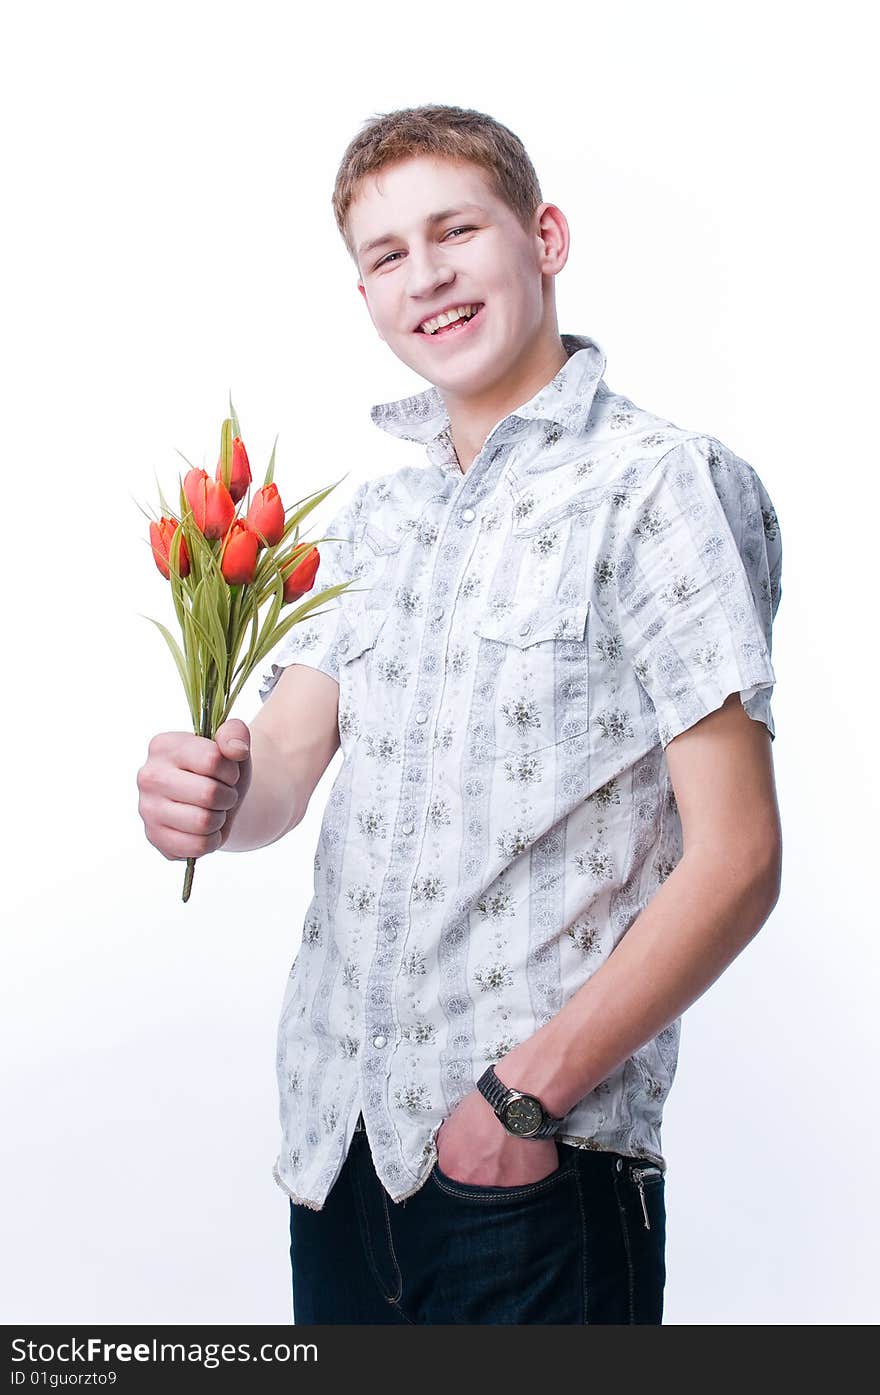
x: 480, y: 1192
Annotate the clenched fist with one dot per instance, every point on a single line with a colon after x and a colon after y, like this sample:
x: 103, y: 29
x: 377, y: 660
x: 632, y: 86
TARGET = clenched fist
x: 191, y: 787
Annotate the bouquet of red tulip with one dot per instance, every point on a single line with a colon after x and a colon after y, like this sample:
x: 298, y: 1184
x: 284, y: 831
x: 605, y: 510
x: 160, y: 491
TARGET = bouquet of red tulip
x: 222, y: 569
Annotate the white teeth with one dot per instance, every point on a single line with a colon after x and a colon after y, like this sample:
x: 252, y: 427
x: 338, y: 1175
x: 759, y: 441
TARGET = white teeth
x: 447, y: 318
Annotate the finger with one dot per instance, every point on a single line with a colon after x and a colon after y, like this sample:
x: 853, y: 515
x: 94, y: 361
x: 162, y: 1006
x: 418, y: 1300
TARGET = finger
x: 176, y: 845
x: 203, y: 757
x: 185, y: 818
x: 208, y: 793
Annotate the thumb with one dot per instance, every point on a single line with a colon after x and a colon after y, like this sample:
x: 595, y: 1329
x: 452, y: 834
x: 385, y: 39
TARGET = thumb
x: 234, y: 739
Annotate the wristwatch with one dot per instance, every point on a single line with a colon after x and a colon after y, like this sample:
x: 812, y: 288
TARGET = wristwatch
x: 522, y: 1115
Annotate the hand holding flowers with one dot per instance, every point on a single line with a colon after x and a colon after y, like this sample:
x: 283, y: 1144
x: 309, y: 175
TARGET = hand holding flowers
x: 223, y: 567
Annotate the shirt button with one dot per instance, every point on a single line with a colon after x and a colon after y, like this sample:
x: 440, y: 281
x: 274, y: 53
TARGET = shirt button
x: 524, y: 629
x: 439, y: 613
x: 409, y: 828
x: 468, y: 515
x: 421, y: 716
x: 379, y: 1040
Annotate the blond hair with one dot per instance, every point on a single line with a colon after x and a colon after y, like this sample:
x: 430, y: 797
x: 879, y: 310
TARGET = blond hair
x: 452, y: 133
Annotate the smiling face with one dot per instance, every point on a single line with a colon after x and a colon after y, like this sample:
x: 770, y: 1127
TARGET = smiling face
x: 476, y: 253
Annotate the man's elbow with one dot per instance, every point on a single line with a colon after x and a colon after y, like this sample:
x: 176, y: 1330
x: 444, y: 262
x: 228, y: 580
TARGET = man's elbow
x: 750, y: 871
x: 768, y: 860
x: 763, y: 873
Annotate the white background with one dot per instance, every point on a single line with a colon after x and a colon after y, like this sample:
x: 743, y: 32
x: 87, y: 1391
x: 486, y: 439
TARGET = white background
x: 168, y: 236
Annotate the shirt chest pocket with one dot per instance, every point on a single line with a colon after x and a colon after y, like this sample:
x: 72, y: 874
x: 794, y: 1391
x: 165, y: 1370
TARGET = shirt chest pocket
x: 379, y: 541
x: 532, y: 684
x: 395, y: 522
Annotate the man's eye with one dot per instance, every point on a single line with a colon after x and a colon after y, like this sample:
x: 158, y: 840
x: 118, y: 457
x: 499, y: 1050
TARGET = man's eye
x: 392, y: 255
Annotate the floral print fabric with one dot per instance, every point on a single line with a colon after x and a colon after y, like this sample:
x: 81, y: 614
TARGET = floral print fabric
x: 521, y: 643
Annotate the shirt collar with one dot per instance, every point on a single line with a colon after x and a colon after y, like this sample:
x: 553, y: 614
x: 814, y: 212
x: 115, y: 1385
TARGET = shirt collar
x: 565, y: 400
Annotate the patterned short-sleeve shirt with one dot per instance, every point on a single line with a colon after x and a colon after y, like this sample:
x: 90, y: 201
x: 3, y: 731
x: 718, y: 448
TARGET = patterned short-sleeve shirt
x: 521, y: 642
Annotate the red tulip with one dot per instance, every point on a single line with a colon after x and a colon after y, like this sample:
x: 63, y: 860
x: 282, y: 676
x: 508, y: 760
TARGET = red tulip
x: 161, y: 535
x: 266, y: 515
x: 238, y: 558
x: 212, y: 504
x: 302, y: 578
x: 240, y: 470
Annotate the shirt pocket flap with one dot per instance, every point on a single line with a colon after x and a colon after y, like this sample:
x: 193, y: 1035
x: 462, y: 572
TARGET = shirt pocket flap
x: 380, y: 541
x: 361, y: 633
x: 528, y: 623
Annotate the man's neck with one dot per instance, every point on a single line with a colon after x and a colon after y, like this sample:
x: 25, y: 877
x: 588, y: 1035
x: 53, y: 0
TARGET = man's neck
x: 471, y: 422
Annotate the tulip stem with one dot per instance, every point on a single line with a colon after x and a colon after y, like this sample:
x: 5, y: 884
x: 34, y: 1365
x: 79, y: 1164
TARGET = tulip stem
x: 206, y: 731
x: 188, y: 878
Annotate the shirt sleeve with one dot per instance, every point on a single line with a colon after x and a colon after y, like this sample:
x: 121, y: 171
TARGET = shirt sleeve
x: 314, y: 640
x: 696, y: 581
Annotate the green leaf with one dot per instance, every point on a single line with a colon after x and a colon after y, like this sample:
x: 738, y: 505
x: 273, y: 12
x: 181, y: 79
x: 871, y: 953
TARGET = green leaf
x: 243, y: 667
x: 258, y: 642
x: 165, y: 508
x: 199, y: 634
x: 204, y: 613
x: 218, y: 602
x: 226, y: 451
x: 177, y: 597
x: 196, y: 657
x: 270, y: 473
x: 322, y: 493
x: 245, y: 612
x: 153, y: 518
x: 183, y: 457
x: 253, y: 640
x: 277, y: 634
x: 282, y: 560
x: 270, y: 638
x: 181, y: 665
x: 236, y: 429
x: 218, y: 704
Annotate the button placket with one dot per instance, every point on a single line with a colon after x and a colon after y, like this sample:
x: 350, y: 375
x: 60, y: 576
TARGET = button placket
x: 451, y: 546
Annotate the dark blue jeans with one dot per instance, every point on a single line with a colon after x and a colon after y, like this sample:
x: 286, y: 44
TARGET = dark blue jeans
x: 585, y: 1244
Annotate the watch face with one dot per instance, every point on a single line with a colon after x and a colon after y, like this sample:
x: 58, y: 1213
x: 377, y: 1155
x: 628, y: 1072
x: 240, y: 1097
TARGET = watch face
x: 524, y: 1116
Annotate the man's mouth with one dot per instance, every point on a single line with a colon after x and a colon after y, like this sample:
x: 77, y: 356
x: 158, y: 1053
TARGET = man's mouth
x: 459, y: 326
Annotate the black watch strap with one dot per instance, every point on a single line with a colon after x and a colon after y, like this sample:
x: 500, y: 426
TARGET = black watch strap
x: 500, y: 1096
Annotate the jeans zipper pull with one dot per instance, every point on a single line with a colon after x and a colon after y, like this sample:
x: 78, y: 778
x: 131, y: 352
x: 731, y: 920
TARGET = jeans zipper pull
x: 637, y: 1177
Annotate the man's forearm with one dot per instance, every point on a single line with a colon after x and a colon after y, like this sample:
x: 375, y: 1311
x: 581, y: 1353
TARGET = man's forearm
x: 272, y: 805
x: 695, y: 924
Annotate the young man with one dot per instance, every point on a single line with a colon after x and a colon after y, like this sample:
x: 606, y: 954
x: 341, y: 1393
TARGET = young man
x: 555, y: 823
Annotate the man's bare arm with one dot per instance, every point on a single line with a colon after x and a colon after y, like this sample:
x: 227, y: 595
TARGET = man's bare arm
x: 700, y: 918
x: 705, y: 912
x: 294, y: 737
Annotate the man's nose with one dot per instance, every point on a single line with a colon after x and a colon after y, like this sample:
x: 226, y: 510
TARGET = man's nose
x: 426, y: 275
